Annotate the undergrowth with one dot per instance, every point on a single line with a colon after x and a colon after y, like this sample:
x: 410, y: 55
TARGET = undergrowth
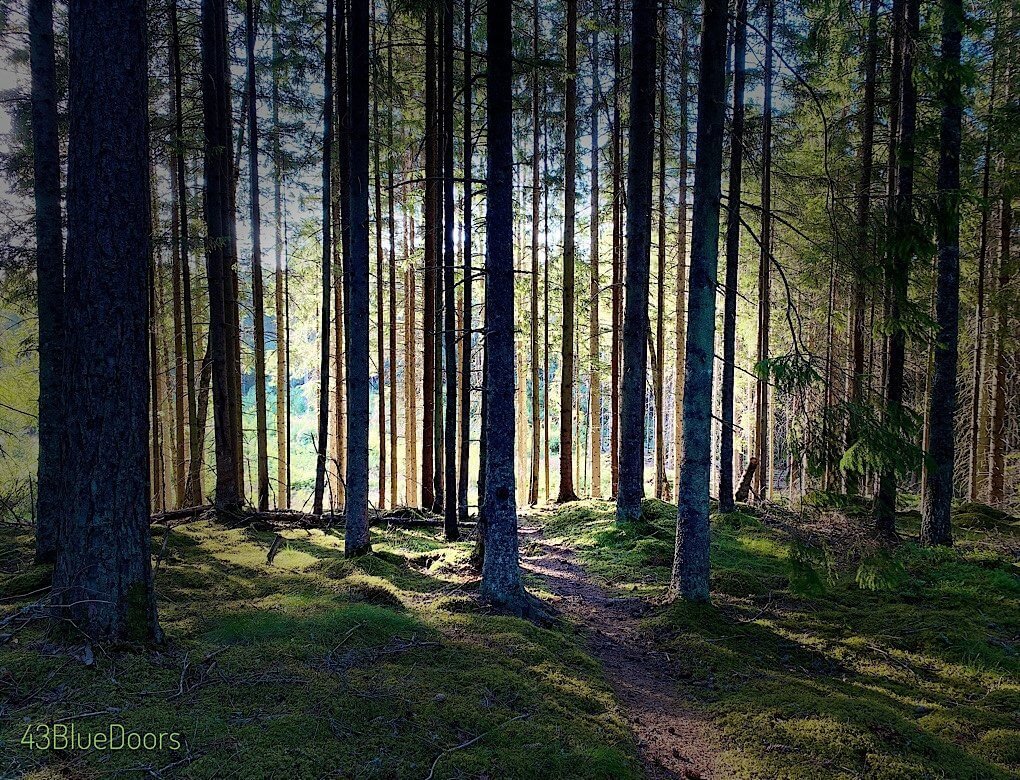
x: 813, y: 663
x: 382, y: 667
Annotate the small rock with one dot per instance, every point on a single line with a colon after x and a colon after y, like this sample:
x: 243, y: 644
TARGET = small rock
x: 440, y: 698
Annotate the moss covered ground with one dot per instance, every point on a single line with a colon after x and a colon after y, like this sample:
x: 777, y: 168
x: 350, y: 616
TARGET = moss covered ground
x: 823, y: 655
x: 315, y: 666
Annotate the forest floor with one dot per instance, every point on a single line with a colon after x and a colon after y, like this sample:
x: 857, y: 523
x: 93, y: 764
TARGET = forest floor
x: 821, y: 655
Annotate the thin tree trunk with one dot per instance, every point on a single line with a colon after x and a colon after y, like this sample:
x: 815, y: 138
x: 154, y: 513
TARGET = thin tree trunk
x: 681, y: 265
x: 341, y: 321
x: 858, y: 327
x: 221, y: 252
x: 658, y: 383
x: 732, y: 259
x: 380, y: 306
x: 938, y: 496
x: 546, y: 376
x: 357, y: 541
x: 618, y: 196
x: 410, y: 369
x: 980, y: 393
x: 594, y: 339
x: 639, y: 239
x: 899, y: 262
x: 449, y: 290
x: 391, y: 223
x: 49, y: 276
x: 690, y: 566
x: 282, y: 379
x: 466, y: 356
x: 322, y: 439
x: 566, y: 490
x: 428, y: 495
x: 762, y: 432
x: 258, y: 294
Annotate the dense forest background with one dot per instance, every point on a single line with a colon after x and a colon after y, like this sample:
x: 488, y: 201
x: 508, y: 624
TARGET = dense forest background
x: 692, y: 325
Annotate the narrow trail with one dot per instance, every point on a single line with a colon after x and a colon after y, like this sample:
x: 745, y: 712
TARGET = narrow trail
x: 673, y: 739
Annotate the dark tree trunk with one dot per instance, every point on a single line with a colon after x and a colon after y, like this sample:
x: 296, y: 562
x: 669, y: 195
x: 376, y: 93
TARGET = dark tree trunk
x: 690, y: 566
x: 49, y: 275
x: 899, y: 261
x: 428, y: 492
x: 732, y: 259
x: 617, y: 261
x: 102, y: 582
x: 465, y: 399
x: 938, y: 495
x: 595, y: 332
x: 501, y: 577
x: 761, y: 395
x: 357, y: 540
x: 639, y: 240
x: 536, y: 200
x: 282, y: 326
x: 566, y: 491
x: 439, y: 428
x: 326, y: 318
x: 380, y: 354
x: 391, y: 223
x: 681, y: 265
x: 659, y: 364
x: 858, y: 327
x: 258, y: 293
x: 192, y: 487
x: 221, y: 250
x: 449, y: 290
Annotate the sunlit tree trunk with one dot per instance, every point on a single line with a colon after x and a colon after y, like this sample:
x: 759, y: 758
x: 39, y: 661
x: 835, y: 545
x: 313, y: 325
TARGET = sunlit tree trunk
x: 594, y: 339
x: 681, y: 265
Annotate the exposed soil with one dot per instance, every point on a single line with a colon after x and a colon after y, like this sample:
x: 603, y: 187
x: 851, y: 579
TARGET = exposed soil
x: 674, y: 740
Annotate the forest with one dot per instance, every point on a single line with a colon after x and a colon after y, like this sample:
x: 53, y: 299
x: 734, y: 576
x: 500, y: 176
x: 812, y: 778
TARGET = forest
x: 473, y: 389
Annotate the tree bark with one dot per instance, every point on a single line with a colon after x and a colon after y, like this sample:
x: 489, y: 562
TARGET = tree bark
x: 49, y: 276
x: 282, y: 326
x: 102, y: 581
x: 732, y: 259
x: 659, y: 366
x: 618, y: 209
x: 595, y: 335
x: 681, y: 265
x: 691, y: 566
x: 566, y: 489
x: 221, y: 250
x: 449, y: 290
x: 357, y: 541
x: 501, y: 578
x: 428, y: 494
x: 762, y: 433
x: 258, y: 294
x: 639, y: 240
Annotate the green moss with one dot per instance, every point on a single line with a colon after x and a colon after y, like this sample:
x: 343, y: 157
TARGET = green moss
x: 317, y: 666
x: 815, y: 664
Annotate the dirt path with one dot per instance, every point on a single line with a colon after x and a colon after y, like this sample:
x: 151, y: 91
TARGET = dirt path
x: 674, y: 740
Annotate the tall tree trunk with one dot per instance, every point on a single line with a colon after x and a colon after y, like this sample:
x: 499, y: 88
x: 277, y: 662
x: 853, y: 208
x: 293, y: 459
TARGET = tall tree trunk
x: 341, y: 323
x: 466, y: 356
x: 594, y: 338
x: 690, y: 566
x: 899, y: 262
x: 380, y: 306
x: 546, y: 376
x: 428, y: 495
x: 192, y: 488
x: 221, y: 249
x: 858, y: 327
x: 102, y: 581
x: 659, y: 366
x: 566, y: 491
x: 536, y: 195
x: 357, y: 540
x: 258, y: 294
x: 681, y: 265
x: 617, y: 261
x: 980, y: 394
x: 322, y: 439
x: 410, y: 364
x: 391, y: 223
x: 732, y: 259
x: 639, y: 240
x: 449, y: 290
x: 282, y: 326
x: 439, y: 427
x: 1001, y: 335
x: 501, y: 578
x: 49, y: 276
x: 762, y: 431
x: 938, y: 496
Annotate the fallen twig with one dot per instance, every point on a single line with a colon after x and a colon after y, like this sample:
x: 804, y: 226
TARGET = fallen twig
x: 472, y: 741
